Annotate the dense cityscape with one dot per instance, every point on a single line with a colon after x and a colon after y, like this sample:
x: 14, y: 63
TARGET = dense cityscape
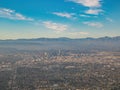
x: 60, y: 70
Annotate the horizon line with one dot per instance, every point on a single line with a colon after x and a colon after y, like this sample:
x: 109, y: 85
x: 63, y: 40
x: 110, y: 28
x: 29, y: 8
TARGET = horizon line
x: 59, y: 38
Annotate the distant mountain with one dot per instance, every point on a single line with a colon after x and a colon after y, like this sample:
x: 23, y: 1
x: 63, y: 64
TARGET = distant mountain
x: 83, y: 44
x: 64, y: 39
x: 67, y: 39
x: 109, y: 38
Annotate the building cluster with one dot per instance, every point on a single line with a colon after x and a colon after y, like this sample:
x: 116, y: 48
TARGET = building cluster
x: 73, y: 71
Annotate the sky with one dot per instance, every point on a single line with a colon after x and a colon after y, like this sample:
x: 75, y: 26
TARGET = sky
x: 59, y: 18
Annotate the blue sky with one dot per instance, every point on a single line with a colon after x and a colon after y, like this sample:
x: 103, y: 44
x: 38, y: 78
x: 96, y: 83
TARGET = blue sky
x: 59, y: 18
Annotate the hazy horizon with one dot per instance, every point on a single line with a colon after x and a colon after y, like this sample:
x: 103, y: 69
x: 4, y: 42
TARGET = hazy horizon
x: 59, y: 38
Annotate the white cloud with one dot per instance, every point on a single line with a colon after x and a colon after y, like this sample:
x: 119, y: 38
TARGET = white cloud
x: 93, y: 5
x: 83, y: 15
x: 78, y: 33
x: 66, y: 15
x: 109, y: 19
x: 12, y: 14
x: 88, y: 3
x: 55, y: 26
x: 93, y: 11
x: 94, y: 24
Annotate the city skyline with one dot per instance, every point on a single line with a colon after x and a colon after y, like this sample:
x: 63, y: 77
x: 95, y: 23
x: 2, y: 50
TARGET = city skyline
x: 59, y: 18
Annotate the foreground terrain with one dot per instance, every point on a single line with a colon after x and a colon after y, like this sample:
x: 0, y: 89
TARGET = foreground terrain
x: 60, y: 70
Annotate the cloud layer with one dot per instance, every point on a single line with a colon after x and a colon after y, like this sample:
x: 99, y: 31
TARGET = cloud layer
x: 93, y: 5
x: 94, y: 24
x: 79, y: 33
x: 12, y: 14
x: 94, y: 11
x: 55, y: 26
x: 88, y: 3
x: 64, y: 14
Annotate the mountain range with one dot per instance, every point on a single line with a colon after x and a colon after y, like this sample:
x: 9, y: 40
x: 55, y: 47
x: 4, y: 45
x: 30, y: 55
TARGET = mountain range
x: 63, y: 43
